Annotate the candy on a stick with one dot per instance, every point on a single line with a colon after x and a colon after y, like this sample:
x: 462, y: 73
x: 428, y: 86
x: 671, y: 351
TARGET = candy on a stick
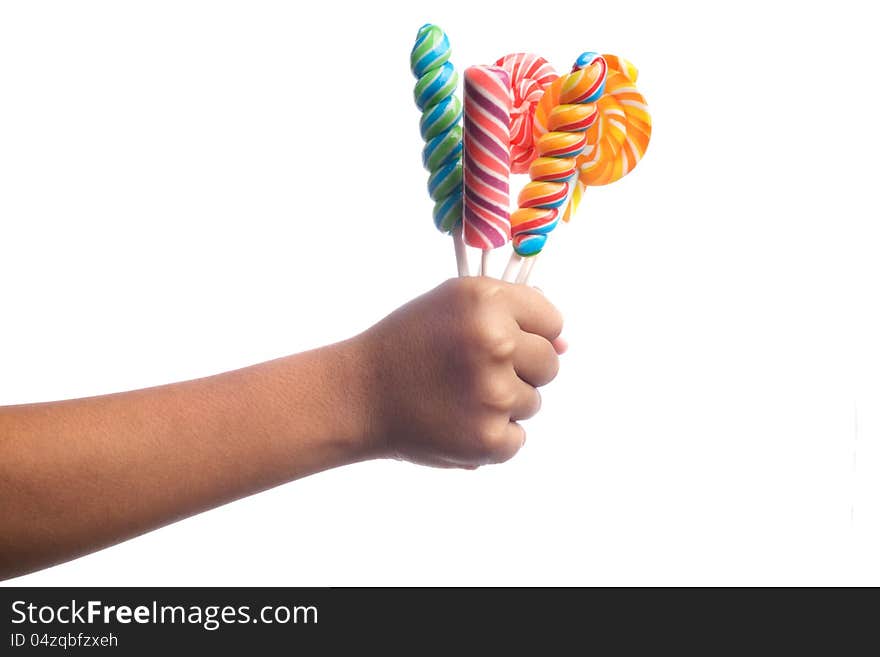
x: 570, y: 110
x: 618, y: 139
x: 486, y: 217
x: 441, y: 113
x: 530, y: 75
x: 623, y: 128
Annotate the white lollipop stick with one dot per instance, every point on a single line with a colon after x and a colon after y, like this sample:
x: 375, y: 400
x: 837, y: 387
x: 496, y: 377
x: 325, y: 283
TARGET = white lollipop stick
x: 515, y: 259
x: 484, y: 263
x: 527, y: 270
x: 460, y: 252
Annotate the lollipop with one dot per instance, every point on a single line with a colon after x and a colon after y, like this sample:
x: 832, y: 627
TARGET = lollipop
x: 622, y: 132
x: 529, y: 77
x: 441, y: 112
x: 569, y: 110
x: 486, y: 158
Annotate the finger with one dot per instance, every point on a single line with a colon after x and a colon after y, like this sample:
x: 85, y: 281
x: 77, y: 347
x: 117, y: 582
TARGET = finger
x: 532, y: 311
x: 535, y: 360
x: 560, y: 344
x: 527, y: 402
x: 514, y: 439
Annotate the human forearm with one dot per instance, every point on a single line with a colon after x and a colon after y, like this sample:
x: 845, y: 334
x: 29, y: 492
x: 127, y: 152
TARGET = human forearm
x: 82, y: 474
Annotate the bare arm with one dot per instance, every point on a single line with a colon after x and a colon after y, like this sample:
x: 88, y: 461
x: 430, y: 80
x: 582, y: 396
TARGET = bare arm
x: 82, y: 474
x: 442, y: 381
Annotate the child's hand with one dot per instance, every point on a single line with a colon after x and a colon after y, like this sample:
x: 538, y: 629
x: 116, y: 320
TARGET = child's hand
x: 456, y: 368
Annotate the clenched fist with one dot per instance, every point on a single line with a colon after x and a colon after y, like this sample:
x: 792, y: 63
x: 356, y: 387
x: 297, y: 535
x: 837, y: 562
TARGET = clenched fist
x: 458, y: 367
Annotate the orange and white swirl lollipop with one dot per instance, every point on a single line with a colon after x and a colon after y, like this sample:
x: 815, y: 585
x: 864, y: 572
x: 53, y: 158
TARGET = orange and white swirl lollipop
x: 567, y: 111
x: 620, y: 136
x: 613, y: 145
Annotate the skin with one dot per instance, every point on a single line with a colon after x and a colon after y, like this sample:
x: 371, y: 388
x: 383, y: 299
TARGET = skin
x: 442, y: 381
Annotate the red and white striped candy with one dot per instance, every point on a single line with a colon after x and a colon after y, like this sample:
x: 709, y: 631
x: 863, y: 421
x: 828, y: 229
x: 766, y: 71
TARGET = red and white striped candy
x: 530, y: 75
x: 487, y: 102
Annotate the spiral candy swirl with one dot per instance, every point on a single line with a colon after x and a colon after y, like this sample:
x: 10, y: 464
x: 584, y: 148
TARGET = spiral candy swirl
x: 624, y: 129
x: 563, y: 117
x: 530, y: 75
x: 434, y: 95
x: 619, y: 138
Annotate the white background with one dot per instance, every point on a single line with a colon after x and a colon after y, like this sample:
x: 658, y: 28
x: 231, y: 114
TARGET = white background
x: 190, y: 187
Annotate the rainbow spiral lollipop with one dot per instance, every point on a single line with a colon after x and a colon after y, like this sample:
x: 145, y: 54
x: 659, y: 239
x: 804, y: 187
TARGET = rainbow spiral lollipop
x: 441, y: 114
x: 572, y: 111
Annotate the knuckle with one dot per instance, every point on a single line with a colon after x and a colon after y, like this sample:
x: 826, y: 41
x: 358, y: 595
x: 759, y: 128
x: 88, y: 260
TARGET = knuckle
x: 488, y: 336
x: 476, y: 291
x: 497, y: 395
x: 501, y: 345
